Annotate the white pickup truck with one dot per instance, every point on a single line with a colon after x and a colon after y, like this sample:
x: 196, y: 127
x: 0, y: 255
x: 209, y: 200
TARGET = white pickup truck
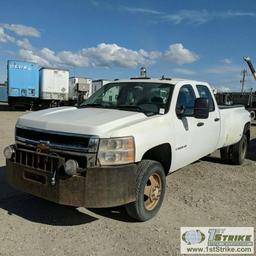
x: 118, y: 146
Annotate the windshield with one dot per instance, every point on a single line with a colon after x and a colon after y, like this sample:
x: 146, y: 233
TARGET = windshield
x: 149, y: 98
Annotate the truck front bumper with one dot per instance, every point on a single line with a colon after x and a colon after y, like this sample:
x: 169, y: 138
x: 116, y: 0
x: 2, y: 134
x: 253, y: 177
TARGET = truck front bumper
x: 98, y: 187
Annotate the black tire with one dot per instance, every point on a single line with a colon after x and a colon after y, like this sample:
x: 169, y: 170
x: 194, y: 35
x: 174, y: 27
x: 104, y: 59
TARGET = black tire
x: 239, y: 151
x: 139, y: 209
x: 225, y: 155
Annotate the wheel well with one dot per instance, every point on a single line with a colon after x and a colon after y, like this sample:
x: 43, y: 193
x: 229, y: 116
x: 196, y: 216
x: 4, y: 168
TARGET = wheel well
x: 161, y: 153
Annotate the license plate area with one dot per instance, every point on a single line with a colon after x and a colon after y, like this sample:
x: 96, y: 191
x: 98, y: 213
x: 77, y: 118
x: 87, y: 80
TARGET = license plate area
x: 34, y: 177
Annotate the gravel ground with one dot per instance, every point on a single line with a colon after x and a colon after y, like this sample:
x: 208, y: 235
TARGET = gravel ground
x: 206, y: 193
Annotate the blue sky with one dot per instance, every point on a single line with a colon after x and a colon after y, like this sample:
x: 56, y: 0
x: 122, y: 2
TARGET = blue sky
x: 195, y: 39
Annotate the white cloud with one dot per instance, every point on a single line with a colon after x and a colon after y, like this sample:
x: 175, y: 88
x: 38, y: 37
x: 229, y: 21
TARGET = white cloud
x: 140, y: 10
x: 184, y: 71
x: 180, y: 55
x: 5, y: 38
x: 30, y: 55
x: 24, y: 44
x: 103, y: 55
x: 73, y: 59
x: 48, y: 54
x: 202, y: 16
x: 151, y: 55
x: 107, y: 55
x: 231, y: 14
x: 187, y: 16
x: 227, y: 61
x: 22, y: 30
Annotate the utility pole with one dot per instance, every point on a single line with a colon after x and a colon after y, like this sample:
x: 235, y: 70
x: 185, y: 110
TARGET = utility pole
x: 244, y: 73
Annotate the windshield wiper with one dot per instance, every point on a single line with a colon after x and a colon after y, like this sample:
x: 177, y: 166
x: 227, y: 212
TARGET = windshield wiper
x: 134, y: 108
x: 129, y: 107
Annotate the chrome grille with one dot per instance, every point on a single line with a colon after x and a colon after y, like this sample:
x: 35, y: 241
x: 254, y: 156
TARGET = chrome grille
x: 57, y: 140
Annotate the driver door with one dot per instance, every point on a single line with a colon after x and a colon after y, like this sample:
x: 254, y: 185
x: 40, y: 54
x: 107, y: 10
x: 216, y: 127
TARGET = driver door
x: 189, y: 144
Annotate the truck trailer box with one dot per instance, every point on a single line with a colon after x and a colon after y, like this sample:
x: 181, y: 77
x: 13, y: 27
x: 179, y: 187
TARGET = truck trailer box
x: 78, y: 86
x: 97, y: 84
x: 3, y: 93
x: 23, y: 79
x: 54, y: 84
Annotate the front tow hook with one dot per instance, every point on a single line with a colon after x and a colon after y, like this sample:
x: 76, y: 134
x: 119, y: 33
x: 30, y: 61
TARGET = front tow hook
x: 53, y: 178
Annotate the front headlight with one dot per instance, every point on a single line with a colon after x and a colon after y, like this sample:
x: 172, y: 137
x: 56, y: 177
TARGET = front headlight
x: 115, y: 151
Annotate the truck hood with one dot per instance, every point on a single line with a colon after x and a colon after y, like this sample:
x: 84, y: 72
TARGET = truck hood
x: 90, y: 121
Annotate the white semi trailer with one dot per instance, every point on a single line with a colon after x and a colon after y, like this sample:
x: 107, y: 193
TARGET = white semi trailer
x: 97, y: 84
x: 80, y: 88
x: 54, y: 86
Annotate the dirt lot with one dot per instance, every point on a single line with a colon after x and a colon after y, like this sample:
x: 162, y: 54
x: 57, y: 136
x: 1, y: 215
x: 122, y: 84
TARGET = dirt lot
x: 206, y: 193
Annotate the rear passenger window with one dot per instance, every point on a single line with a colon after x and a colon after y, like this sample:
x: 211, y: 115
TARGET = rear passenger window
x: 186, y: 100
x: 204, y: 92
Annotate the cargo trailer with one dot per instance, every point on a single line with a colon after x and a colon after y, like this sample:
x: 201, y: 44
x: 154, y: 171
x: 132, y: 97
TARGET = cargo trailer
x: 3, y: 93
x: 97, y: 84
x: 23, y: 83
x: 80, y: 88
x: 54, y: 86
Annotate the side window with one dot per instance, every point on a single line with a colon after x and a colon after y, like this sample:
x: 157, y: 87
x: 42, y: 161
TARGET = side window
x: 186, y: 100
x: 204, y: 92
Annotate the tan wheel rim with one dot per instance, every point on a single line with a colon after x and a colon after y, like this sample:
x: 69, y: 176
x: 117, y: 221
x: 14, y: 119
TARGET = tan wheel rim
x: 152, y: 191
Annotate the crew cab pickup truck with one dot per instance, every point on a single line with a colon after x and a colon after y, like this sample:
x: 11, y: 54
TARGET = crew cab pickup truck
x: 119, y: 145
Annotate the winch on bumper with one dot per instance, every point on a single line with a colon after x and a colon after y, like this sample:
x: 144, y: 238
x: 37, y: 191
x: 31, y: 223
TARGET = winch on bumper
x: 94, y: 187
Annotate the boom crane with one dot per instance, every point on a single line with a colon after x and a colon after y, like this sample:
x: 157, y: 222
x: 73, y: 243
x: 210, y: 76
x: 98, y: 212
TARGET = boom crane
x: 247, y: 99
x: 251, y: 102
x: 251, y: 67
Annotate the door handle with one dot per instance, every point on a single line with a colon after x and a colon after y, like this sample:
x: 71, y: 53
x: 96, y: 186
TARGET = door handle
x: 217, y: 119
x: 200, y: 124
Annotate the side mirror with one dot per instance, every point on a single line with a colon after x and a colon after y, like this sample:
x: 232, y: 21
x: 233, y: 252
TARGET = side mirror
x: 180, y: 111
x: 201, y: 110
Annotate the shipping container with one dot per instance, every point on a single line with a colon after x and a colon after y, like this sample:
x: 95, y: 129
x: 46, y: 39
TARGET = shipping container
x: 3, y: 93
x: 54, y: 84
x: 23, y: 82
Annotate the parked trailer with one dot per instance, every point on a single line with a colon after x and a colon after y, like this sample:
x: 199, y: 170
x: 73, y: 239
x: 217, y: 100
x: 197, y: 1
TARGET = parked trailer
x: 3, y: 93
x: 23, y: 83
x: 97, y: 84
x: 80, y: 88
x: 54, y: 86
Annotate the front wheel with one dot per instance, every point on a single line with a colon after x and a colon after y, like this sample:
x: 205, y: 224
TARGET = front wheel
x: 239, y: 151
x: 225, y: 155
x: 150, y: 190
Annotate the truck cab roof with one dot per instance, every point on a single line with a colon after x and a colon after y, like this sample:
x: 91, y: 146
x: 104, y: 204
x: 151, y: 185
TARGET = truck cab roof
x: 168, y: 80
